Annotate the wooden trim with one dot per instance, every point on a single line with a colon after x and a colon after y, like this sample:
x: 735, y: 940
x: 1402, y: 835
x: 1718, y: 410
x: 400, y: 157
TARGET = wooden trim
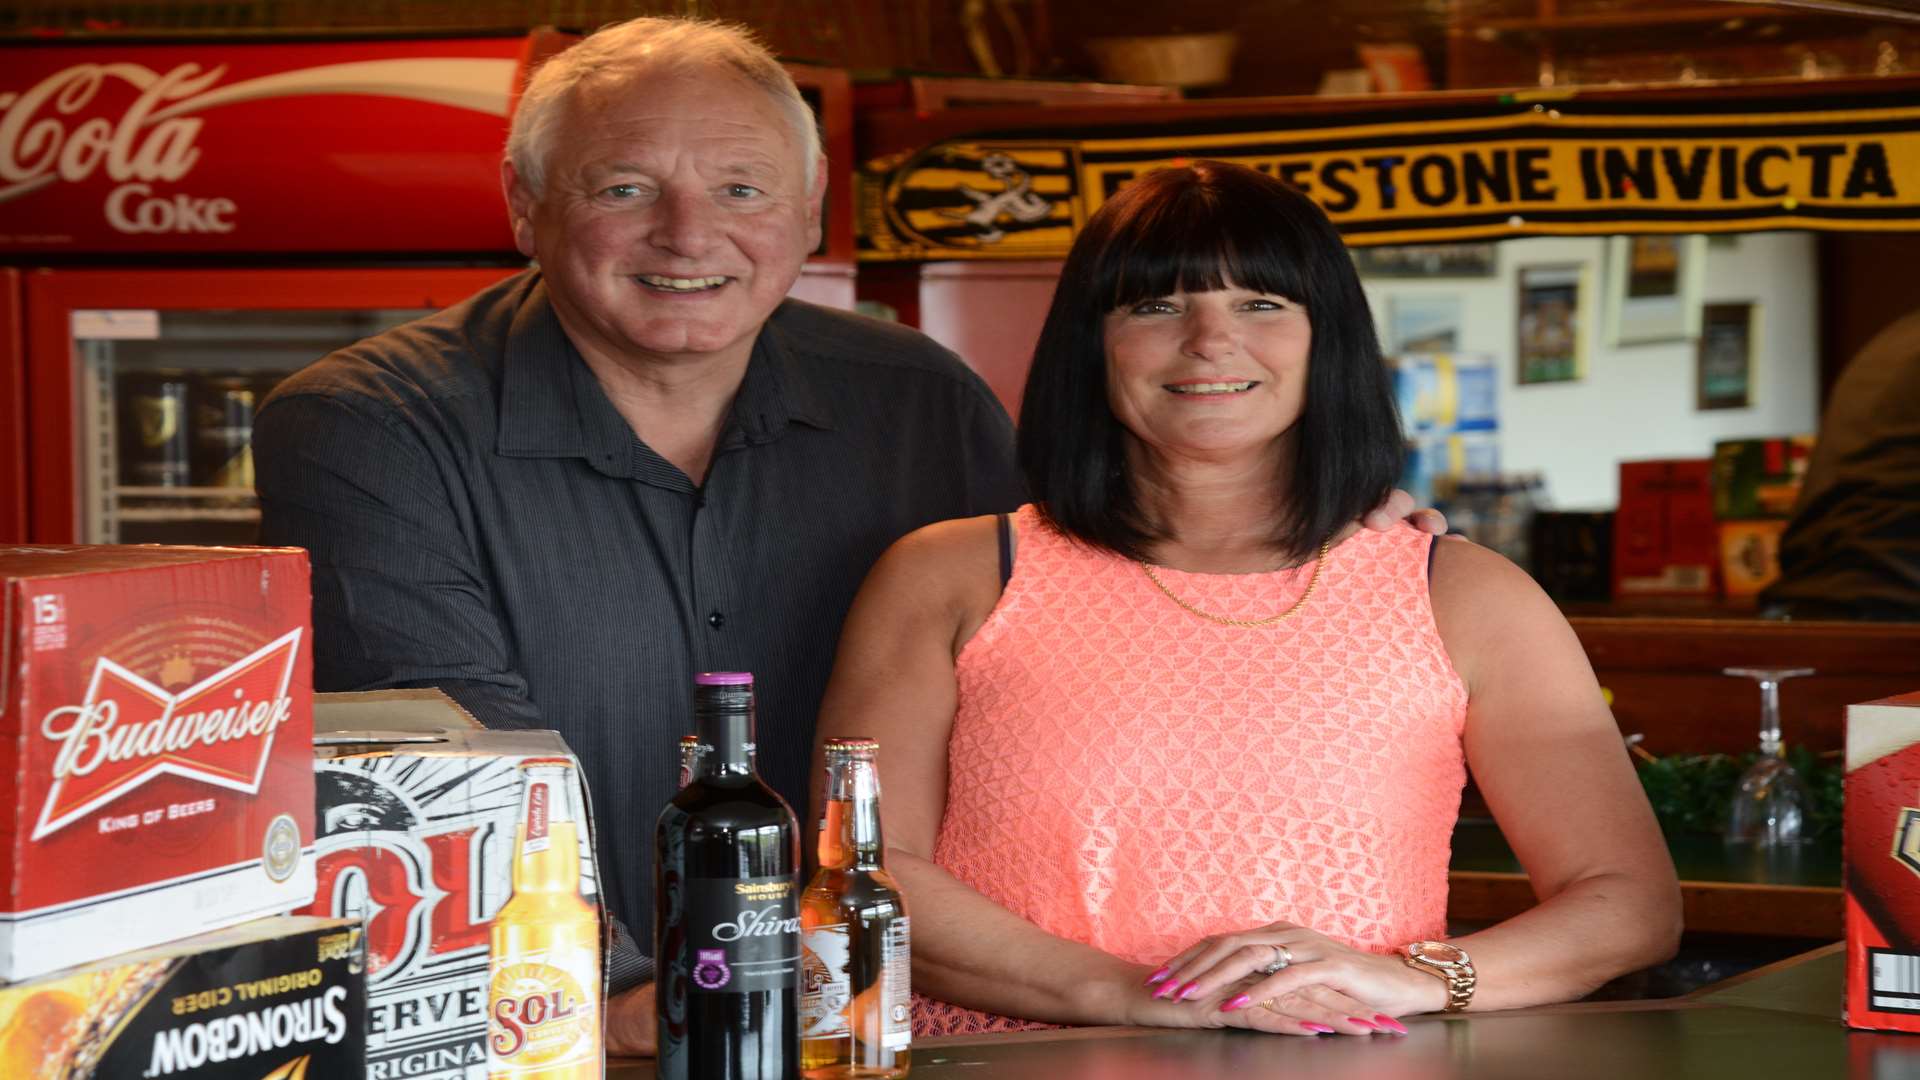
x: 1716, y: 907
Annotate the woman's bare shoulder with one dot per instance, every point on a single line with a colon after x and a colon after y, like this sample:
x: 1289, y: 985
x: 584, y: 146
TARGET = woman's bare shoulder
x: 950, y: 566
x: 1488, y: 609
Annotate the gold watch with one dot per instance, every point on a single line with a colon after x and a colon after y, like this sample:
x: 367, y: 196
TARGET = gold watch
x: 1447, y: 962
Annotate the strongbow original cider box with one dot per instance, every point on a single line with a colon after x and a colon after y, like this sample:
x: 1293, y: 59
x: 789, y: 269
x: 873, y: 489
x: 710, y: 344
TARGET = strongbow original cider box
x: 1882, y: 820
x: 155, y: 725
x: 273, y: 999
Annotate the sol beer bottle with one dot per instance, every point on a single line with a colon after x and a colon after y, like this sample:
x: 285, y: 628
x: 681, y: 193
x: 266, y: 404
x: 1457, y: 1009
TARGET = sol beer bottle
x: 726, y: 924
x: 855, y: 1019
x: 543, y: 1006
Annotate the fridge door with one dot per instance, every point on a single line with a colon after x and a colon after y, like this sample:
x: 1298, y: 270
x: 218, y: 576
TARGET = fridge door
x: 141, y: 385
x: 13, y: 412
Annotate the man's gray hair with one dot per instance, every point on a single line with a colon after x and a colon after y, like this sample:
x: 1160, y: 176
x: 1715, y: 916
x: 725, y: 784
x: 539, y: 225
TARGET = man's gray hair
x: 649, y: 43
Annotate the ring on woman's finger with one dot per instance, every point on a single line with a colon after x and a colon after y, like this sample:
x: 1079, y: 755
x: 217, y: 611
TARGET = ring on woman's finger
x: 1271, y: 1005
x: 1282, y: 959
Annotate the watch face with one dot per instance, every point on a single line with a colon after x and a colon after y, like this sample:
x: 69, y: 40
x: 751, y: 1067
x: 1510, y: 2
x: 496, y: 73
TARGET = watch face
x: 1437, y: 951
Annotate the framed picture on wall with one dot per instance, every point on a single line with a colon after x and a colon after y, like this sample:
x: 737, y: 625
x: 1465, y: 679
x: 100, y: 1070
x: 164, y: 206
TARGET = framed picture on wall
x: 1550, y: 318
x: 1424, y: 323
x: 1653, y: 288
x: 1426, y: 260
x: 1724, y: 369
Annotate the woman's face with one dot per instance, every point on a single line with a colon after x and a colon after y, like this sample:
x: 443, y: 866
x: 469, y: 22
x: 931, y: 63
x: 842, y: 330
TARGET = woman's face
x: 1208, y: 375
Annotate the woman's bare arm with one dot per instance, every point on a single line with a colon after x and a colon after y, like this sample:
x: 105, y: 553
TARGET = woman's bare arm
x: 1548, y: 757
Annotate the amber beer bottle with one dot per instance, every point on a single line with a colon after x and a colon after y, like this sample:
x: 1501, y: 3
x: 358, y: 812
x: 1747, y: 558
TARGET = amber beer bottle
x: 543, y: 1006
x: 855, y: 1018
x: 726, y: 919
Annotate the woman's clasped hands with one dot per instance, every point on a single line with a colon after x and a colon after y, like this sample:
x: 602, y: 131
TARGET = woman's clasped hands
x: 1289, y: 980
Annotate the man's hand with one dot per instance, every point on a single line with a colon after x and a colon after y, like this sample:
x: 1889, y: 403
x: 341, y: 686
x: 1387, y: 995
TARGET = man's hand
x: 1398, y: 508
x: 630, y: 1023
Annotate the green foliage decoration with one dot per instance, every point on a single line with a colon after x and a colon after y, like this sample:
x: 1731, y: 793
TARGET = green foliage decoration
x: 1691, y: 792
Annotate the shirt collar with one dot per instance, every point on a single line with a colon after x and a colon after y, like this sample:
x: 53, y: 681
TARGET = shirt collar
x: 551, y: 405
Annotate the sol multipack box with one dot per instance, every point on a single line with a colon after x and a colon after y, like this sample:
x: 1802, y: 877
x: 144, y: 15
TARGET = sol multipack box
x: 1882, y: 864
x: 155, y: 721
x: 469, y: 855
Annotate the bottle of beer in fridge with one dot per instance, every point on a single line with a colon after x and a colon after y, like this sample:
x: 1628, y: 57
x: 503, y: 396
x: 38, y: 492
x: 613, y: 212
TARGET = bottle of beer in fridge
x: 855, y: 1018
x: 543, y: 1004
x: 726, y: 920
x: 689, y: 759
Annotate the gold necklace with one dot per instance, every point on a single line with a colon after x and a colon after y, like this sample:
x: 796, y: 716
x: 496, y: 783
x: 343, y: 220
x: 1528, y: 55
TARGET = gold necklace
x: 1313, y: 582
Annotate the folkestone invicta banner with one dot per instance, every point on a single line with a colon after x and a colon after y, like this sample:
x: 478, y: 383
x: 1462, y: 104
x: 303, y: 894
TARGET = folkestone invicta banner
x: 1508, y: 168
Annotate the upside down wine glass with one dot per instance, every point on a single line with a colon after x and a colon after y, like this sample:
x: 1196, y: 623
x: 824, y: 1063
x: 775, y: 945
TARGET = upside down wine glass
x: 1770, y: 803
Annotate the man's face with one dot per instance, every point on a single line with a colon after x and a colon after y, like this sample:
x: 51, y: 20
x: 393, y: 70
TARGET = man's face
x: 676, y: 215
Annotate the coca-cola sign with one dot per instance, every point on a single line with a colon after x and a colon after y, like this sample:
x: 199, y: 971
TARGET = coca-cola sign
x: 361, y: 146
x: 128, y: 731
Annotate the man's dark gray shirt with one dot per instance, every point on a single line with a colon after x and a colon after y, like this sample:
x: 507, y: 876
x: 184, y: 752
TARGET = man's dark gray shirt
x: 482, y: 519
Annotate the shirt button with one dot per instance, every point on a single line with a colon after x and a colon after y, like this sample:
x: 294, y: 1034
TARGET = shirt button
x: 716, y: 620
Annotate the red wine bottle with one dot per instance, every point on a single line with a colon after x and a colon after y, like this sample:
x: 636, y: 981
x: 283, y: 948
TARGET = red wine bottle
x: 726, y: 907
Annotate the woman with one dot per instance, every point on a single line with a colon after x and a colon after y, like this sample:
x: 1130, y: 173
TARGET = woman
x: 1183, y: 745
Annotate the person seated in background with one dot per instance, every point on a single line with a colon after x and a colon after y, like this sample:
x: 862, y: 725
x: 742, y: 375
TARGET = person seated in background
x: 1177, y: 744
x: 1852, y: 550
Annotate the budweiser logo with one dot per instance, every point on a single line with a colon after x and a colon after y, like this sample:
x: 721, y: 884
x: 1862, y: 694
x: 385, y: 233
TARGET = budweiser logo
x: 128, y: 731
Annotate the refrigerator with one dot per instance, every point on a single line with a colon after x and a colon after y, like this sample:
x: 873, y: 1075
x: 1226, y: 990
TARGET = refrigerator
x: 184, y: 223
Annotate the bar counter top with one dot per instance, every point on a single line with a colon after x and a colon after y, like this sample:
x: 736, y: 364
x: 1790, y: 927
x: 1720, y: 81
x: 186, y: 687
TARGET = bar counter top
x: 1781, y: 1021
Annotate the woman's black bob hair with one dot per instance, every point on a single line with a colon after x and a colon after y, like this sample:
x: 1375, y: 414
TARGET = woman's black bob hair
x: 1196, y: 228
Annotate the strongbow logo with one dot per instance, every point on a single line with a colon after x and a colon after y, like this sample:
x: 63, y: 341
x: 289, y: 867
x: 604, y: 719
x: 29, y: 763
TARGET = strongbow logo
x: 128, y: 731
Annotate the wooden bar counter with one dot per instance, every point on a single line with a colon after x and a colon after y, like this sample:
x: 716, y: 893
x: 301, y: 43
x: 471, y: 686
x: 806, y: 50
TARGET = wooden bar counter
x: 1779, y: 1022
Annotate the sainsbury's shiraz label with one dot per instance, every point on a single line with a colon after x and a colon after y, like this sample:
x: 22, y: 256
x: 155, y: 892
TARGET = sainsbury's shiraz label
x: 743, y: 934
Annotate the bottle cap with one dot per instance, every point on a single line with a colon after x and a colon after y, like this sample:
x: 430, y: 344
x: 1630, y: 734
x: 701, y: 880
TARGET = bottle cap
x: 853, y: 745
x: 723, y: 678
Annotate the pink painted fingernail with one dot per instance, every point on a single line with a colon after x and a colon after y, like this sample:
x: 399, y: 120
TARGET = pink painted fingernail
x: 1188, y: 991
x: 1159, y: 976
x: 1356, y: 1021
x: 1166, y: 989
x: 1390, y: 1024
x: 1239, y: 1002
x: 1317, y: 1029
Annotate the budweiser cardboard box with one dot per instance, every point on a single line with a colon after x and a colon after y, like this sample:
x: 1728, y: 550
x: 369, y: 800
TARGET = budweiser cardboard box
x: 1882, y: 864
x: 422, y: 817
x: 1664, y: 541
x: 155, y: 718
x: 273, y: 999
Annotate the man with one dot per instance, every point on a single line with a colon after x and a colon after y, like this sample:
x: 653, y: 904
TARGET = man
x: 562, y: 498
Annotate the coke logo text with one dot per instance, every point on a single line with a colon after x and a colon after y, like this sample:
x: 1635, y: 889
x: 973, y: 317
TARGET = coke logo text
x: 515, y: 1018
x: 42, y: 140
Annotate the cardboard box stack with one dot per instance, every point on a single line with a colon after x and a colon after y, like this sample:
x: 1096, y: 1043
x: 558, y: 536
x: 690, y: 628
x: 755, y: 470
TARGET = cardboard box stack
x: 155, y: 725
x: 419, y: 811
x: 1755, y: 484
